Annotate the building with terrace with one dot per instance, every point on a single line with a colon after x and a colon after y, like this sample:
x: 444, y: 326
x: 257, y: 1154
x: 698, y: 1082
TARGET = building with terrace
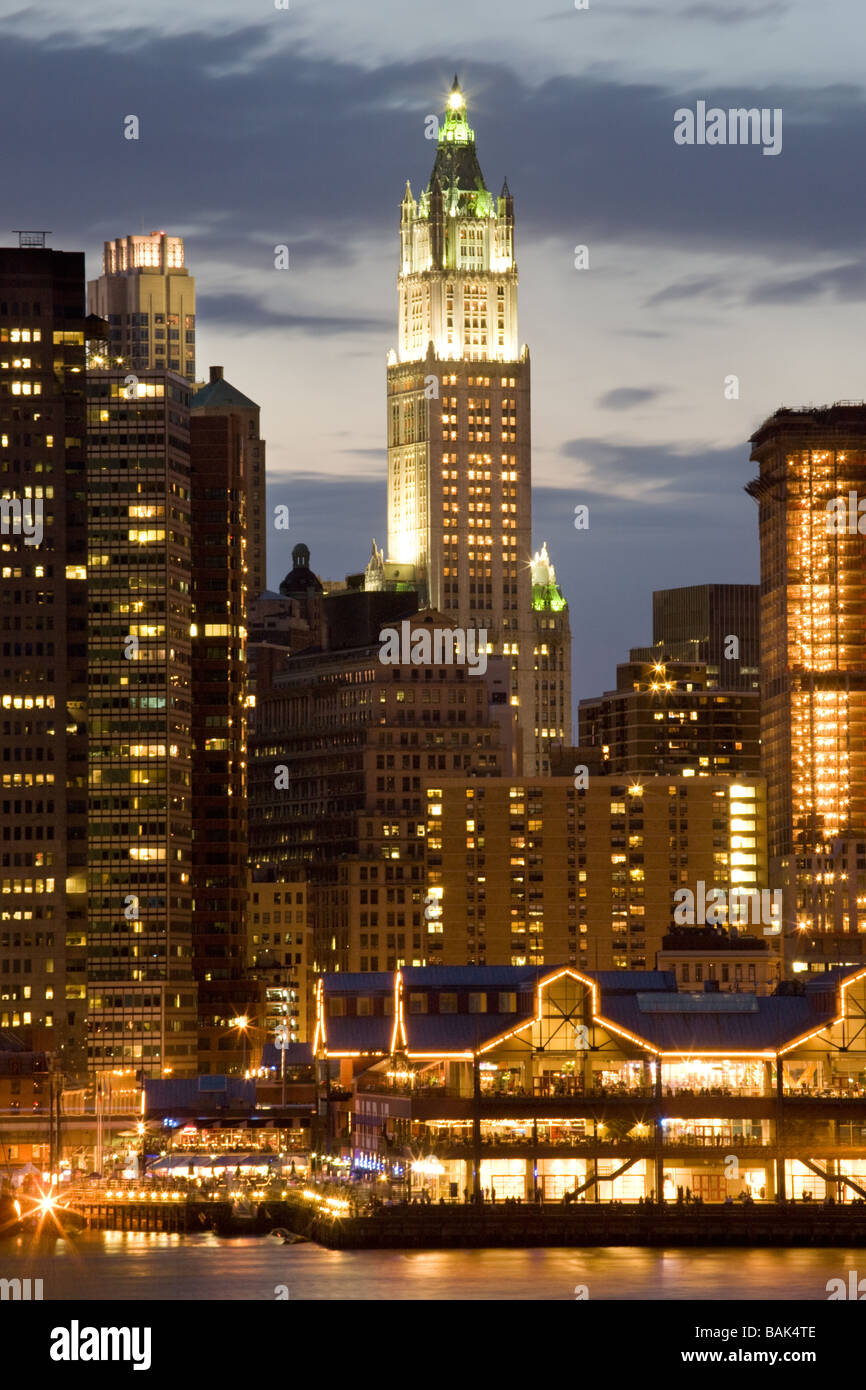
x: 536, y: 1083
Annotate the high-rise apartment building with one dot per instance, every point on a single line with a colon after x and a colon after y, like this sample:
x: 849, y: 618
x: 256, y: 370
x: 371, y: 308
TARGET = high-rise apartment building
x: 716, y: 624
x: 501, y: 868
x: 219, y: 398
x: 459, y: 454
x: 141, y: 992
x: 43, y: 649
x: 147, y: 296
x: 534, y: 872
x: 812, y: 468
x: 672, y: 717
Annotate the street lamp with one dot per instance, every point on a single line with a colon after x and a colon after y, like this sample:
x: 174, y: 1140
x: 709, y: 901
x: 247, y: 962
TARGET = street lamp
x: 242, y: 1023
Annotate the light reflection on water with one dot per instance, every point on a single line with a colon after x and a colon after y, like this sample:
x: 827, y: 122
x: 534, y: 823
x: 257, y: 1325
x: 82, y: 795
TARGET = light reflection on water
x: 145, y: 1266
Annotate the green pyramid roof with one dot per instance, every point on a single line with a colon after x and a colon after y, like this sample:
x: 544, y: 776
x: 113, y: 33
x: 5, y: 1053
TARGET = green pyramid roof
x: 222, y: 393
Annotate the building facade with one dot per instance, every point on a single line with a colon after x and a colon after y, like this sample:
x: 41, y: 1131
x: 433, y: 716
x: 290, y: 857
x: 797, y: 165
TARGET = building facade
x: 714, y: 624
x: 43, y: 650
x: 714, y: 958
x: 218, y: 592
x: 219, y: 399
x: 147, y: 296
x: 141, y: 992
x: 344, y: 746
x: 551, y: 1083
x: 813, y: 674
x: 672, y: 717
x: 530, y: 872
x: 459, y: 451
x: 280, y: 954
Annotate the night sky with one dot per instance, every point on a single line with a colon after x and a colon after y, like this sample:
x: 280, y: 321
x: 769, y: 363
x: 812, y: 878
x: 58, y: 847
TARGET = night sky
x: 262, y: 126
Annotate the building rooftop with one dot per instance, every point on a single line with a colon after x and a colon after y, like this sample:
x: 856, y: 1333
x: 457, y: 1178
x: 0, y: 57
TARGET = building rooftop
x: 643, y: 1003
x: 219, y: 392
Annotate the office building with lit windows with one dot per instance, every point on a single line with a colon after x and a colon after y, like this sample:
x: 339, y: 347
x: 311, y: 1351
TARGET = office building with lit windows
x: 459, y: 454
x: 343, y: 748
x: 43, y: 649
x: 672, y: 717
x: 141, y: 991
x: 813, y: 674
x: 147, y: 296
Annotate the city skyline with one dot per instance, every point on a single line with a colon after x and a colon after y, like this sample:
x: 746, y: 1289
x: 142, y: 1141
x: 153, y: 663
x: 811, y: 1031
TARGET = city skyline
x: 434, y: 636
x: 714, y: 252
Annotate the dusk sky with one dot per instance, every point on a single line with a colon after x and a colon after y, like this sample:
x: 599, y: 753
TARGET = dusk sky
x: 262, y: 126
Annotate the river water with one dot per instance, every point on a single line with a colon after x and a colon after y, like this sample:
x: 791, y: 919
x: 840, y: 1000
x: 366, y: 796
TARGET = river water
x: 146, y: 1266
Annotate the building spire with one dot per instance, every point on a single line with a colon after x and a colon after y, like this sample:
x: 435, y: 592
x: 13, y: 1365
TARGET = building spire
x: 456, y: 165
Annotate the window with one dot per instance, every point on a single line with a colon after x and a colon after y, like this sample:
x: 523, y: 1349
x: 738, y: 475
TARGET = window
x: 336, y: 1007
x: 417, y: 1003
x: 478, y: 1003
x: 507, y: 1003
x: 364, y: 1006
x: 447, y: 1003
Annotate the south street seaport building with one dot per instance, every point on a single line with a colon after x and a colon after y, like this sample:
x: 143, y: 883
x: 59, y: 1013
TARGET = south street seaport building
x: 537, y: 1082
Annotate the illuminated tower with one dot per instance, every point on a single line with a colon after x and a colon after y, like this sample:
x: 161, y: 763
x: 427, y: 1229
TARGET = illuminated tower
x: 459, y: 456
x: 813, y: 672
x: 148, y: 297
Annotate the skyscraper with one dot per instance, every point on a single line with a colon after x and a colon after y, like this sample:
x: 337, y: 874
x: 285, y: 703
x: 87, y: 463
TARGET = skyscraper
x: 219, y: 398
x: 219, y: 808
x: 43, y: 649
x: 459, y: 463
x: 141, y: 994
x: 147, y: 296
x: 718, y: 624
x: 813, y: 672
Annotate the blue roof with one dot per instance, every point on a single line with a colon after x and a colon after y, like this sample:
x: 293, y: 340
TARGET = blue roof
x: 457, y: 1032
x: 297, y: 1055
x: 645, y: 1003
x: 628, y: 981
x: 359, y: 1034
x: 474, y: 976
x: 359, y: 982
x: 776, y: 1020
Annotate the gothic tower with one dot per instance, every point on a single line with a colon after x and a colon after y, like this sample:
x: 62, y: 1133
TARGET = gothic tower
x: 459, y: 452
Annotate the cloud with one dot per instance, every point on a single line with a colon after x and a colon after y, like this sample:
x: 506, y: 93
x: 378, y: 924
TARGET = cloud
x: 695, y: 287
x: 278, y: 139
x: 245, y: 313
x: 843, y: 283
x: 626, y: 397
x: 656, y: 474
x: 708, y: 12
